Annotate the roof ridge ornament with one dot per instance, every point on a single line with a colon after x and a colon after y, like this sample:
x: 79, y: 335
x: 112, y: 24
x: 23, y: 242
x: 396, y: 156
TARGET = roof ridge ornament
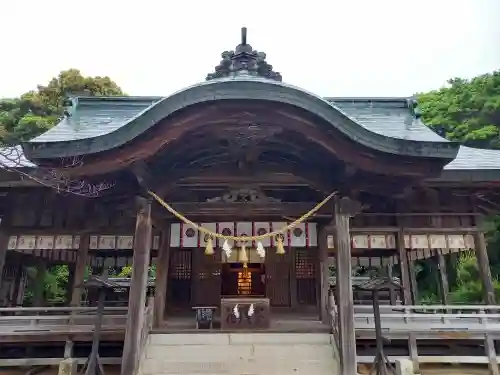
x: 244, y: 61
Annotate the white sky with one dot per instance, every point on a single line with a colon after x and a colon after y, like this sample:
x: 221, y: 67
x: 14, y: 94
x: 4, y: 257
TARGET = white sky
x: 330, y: 47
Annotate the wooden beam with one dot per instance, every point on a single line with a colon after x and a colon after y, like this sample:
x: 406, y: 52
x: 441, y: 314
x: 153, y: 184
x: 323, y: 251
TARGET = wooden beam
x: 137, y: 295
x: 344, y: 290
x: 161, y: 282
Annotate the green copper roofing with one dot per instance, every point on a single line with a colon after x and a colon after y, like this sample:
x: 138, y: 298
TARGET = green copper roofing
x: 94, y: 125
x: 100, y: 124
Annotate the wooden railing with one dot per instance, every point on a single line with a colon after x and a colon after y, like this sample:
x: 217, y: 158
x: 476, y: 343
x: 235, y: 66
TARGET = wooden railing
x: 23, y: 320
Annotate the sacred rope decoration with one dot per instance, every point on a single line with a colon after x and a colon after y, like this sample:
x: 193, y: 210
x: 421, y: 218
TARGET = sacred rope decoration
x: 243, y: 240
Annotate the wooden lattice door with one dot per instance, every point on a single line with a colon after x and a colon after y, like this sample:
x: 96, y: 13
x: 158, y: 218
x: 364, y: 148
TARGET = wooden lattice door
x: 179, y: 275
x: 207, y: 280
x: 305, y: 275
x: 278, y: 278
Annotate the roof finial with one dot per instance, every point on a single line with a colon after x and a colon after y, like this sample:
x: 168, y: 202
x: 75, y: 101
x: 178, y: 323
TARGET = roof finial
x: 244, y: 60
x: 243, y: 35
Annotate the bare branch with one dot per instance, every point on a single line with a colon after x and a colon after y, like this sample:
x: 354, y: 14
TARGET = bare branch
x: 12, y: 159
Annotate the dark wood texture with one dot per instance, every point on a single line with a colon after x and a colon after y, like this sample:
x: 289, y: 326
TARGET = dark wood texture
x: 137, y: 295
x: 161, y: 282
x: 278, y: 278
x: 206, y: 281
x: 344, y: 290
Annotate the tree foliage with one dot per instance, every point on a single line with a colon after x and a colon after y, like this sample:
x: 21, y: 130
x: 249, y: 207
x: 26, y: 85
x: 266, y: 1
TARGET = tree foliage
x: 467, y: 110
x: 37, y: 111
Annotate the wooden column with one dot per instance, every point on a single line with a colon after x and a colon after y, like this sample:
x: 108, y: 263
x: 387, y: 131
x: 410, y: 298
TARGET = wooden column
x: 403, y: 265
x: 39, y: 292
x: 344, y: 286
x: 407, y: 293
x: 80, y: 268
x: 324, y: 273
x: 161, y: 282
x: 483, y: 264
x: 444, y: 288
x: 138, y: 284
x: 4, y: 243
x: 413, y: 282
x: 392, y: 292
x: 440, y: 261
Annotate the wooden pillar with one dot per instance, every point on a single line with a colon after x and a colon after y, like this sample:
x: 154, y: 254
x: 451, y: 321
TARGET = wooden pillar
x: 344, y: 286
x: 4, y: 244
x: 161, y: 282
x: 324, y: 273
x: 407, y: 293
x: 138, y: 285
x: 71, y: 283
x: 413, y: 282
x: 444, y: 288
x: 39, y: 292
x: 18, y: 289
x: 440, y: 261
x: 483, y: 264
x: 80, y: 268
x: 403, y: 265
x: 392, y: 292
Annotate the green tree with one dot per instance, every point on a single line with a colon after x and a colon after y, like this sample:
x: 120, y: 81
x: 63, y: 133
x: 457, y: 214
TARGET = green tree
x: 31, y: 115
x: 37, y: 111
x: 467, y: 110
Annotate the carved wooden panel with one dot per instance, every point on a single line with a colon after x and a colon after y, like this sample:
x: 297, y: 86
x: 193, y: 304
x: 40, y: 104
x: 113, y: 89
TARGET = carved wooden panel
x: 278, y: 278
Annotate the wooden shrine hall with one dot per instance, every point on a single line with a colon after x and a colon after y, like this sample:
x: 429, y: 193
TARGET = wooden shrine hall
x: 244, y: 193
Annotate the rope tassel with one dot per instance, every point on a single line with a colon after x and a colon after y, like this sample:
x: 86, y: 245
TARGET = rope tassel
x: 280, y: 248
x: 209, y: 248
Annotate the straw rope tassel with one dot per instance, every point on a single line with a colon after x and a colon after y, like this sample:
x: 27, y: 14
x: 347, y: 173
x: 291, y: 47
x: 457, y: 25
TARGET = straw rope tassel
x: 209, y: 248
x: 280, y: 248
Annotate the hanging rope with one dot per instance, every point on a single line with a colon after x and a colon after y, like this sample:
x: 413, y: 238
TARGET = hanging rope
x: 203, y: 230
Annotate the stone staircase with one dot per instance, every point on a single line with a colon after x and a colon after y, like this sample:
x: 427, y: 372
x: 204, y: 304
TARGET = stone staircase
x: 239, y: 354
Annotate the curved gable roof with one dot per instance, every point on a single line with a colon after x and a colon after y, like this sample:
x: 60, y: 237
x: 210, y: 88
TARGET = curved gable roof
x: 98, y: 125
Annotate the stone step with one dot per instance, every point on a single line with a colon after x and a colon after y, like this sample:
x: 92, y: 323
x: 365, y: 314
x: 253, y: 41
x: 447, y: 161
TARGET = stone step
x: 239, y: 338
x: 239, y: 354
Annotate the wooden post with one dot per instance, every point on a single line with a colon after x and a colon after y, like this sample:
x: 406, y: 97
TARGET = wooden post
x: 443, y: 285
x: 392, y: 292
x: 413, y: 281
x: 81, y: 265
x: 39, y: 292
x: 324, y: 273
x: 483, y: 264
x: 71, y: 283
x: 444, y: 288
x: 403, y: 265
x: 4, y: 244
x: 137, y: 295
x: 407, y: 294
x: 161, y: 282
x: 344, y: 287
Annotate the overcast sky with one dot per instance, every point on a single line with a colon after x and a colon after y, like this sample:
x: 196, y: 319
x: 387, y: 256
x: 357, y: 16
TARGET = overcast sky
x: 330, y: 47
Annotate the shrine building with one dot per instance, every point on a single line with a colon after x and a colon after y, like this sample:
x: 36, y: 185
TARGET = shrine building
x: 200, y: 178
